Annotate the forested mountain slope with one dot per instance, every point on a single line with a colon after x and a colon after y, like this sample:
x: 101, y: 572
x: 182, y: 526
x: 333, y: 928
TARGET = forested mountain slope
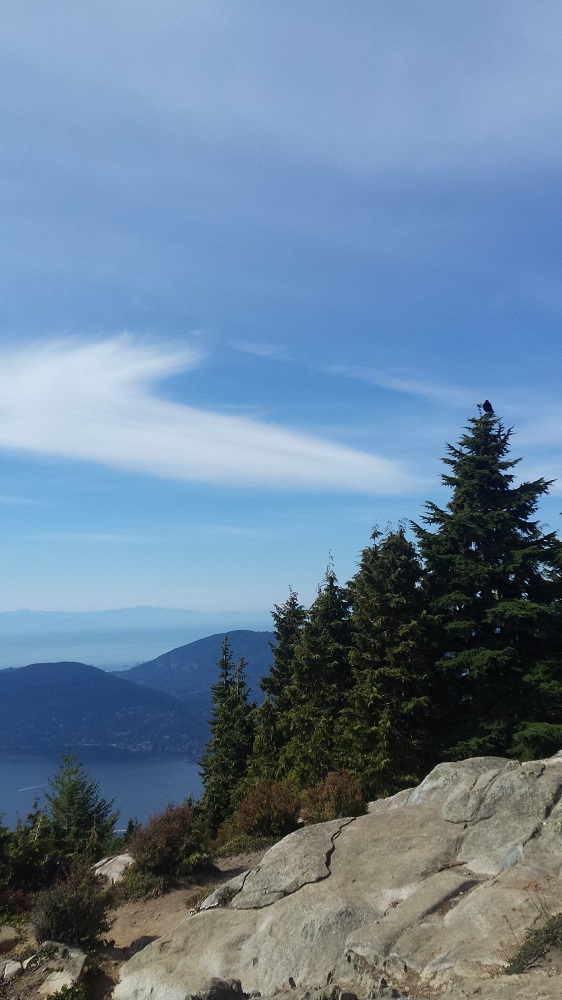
x: 191, y: 669
x: 161, y: 705
x: 60, y: 704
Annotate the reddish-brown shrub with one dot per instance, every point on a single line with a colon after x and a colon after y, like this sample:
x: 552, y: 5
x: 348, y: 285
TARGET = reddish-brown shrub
x: 169, y: 845
x: 338, y: 794
x: 270, y: 809
x: 14, y: 902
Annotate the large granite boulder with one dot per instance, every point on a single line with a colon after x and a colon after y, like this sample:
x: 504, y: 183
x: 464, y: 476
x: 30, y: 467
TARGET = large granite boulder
x: 112, y: 869
x: 438, y: 883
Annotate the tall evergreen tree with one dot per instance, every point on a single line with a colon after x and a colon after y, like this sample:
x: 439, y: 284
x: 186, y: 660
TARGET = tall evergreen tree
x: 288, y: 619
x: 272, y: 718
x: 232, y: 731
x: 385, y: 728
x: 493, y: 579
x: 319, y: 681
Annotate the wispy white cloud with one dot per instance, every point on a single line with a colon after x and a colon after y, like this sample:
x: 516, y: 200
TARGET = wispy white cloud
x: 98, y: 536
x: 94, y: 401
x: 18, y: 500
x: 233, y: 531
x: 262, y: 350
x: 451, y: 395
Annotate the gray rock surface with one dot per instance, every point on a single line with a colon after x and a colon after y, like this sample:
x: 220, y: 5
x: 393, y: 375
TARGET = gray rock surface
x: 300, y: 859
x: 9, y: 969
x: 434, y: 885
x: 69, y: 964
x: 534, y: 985
x: 112, y: 869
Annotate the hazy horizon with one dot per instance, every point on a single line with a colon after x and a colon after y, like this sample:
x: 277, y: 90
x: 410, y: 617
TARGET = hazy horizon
x: 111, y: 639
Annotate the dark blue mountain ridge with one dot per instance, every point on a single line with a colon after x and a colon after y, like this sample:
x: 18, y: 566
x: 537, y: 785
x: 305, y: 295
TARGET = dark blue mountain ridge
x: 191, y: 669
x: 52, y: 705
x: 160, y: 705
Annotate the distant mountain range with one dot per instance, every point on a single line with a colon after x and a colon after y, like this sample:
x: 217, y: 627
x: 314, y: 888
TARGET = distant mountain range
x: 161, y: 705
x: 185, y: 671
x: 114, y: 639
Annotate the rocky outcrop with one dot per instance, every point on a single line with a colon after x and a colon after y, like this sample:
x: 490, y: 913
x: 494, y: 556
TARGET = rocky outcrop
x: 112, y: 869
x: 435, y: 886
x: 68, y: 968
x: 54, y: 967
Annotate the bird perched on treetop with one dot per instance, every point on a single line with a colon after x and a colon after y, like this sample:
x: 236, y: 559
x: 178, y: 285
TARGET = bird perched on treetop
x: 487, y: 406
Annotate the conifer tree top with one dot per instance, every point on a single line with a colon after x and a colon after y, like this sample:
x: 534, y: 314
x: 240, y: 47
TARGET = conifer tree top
x: 482, y: 484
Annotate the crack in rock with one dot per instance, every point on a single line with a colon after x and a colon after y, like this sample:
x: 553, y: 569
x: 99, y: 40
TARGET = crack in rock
x: 300, y: 859
x: 303, y: 857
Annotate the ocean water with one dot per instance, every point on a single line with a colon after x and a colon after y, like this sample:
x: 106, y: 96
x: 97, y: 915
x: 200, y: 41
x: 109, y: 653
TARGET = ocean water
x: 140, y: 783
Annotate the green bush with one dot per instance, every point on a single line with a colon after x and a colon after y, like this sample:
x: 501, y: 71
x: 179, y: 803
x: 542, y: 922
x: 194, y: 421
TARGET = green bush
x: 241, y: 843
x: 170, y: 845
x: 269, y: 809
x: 138, y: 884
x: 74, y: 912
x: 338, y: 794
x: 77, y: 991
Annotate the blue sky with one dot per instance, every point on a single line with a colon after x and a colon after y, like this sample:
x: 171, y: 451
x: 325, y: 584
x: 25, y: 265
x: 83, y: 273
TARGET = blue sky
x: 258, y: 261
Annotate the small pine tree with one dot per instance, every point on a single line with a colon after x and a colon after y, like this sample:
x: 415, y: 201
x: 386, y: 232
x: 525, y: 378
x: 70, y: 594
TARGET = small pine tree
x: 80, y: 820
x: 385, y: 727
x: 493, y: 580
x: 232, y: 732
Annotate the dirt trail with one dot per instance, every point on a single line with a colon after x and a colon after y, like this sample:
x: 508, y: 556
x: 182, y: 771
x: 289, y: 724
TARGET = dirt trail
x: 141, y: 921
x: 135, y: 924
x: 156, y: 917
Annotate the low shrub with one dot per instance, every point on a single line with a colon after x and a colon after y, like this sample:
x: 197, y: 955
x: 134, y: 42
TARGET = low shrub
x: 241, y: 843
x: 138, y: 884
x: 74, y: 912
x: 338, y: 794
x: 13, y: 903
x: 536, y: 944
x: 170, y: 845
x: 77, y: 991
x: 269, y: 809
x: 195, y: 898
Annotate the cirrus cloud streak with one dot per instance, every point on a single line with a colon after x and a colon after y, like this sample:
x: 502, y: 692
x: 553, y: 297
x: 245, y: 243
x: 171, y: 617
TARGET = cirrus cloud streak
x: 95, y: 401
